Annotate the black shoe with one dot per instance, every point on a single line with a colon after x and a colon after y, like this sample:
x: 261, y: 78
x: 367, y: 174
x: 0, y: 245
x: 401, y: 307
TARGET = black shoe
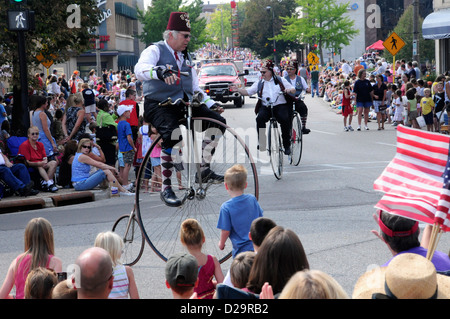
x: 52, y: 188
x: 209, y: 175
x: 305, y: 130
x: 287, y: 151
x: 28, y: 190
x: 169, y: 197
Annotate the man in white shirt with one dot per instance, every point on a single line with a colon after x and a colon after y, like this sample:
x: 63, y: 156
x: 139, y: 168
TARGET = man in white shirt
x: 270, y: 87
x: 166, y: 70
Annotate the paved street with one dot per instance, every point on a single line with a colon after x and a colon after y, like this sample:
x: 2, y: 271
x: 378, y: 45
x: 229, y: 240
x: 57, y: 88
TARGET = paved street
x: 327, y: 200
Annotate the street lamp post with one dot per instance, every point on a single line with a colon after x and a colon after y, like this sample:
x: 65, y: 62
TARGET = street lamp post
x: 268, y: 8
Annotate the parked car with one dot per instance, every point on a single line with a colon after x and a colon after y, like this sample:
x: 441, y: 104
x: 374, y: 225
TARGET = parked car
x: 252, y: 76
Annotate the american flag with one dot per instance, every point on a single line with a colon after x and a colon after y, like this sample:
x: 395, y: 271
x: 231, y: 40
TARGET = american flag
x: 416, y: 182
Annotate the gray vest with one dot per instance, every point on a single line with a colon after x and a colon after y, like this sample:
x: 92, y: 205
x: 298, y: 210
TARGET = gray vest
x: 298, y: 84
x: 158, y: 90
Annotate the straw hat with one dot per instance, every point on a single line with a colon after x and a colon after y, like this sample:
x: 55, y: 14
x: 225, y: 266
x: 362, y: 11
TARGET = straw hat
x: 408, y: 276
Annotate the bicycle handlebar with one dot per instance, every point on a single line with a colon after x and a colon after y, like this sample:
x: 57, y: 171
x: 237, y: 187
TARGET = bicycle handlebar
x: 197, y: 99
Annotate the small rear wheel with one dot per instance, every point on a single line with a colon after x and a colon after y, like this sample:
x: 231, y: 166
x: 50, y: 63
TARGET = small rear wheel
x: 296, y: 141
x: 132, y: 239
x: 275, y: 149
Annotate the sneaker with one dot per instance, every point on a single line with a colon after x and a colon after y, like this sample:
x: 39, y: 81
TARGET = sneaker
x: 346, y: 129
x: 128, y: 187
x: 359, y: 128
x: 169, y: 197
x: 126, y: 194
x: 366, y: 128
x: 350, y: 128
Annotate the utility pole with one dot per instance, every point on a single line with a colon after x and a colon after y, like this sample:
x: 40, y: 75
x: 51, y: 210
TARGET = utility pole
x: 415, y: 53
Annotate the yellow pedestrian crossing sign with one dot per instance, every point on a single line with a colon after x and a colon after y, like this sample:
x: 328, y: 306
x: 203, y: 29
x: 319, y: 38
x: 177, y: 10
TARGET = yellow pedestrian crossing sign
x: 393, y: 43
x: 313, y: 58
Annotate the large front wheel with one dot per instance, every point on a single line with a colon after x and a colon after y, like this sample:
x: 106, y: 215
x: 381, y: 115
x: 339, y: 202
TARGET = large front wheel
x: 209, y: 143
x: 275, y: 149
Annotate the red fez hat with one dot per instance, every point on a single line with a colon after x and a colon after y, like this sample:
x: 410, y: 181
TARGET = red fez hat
x: 179, y: 21
x: 293, y: 63
x: 268, y: 64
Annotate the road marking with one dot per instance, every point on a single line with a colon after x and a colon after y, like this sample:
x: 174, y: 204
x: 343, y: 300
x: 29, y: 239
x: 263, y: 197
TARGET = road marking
x: 388, y: 144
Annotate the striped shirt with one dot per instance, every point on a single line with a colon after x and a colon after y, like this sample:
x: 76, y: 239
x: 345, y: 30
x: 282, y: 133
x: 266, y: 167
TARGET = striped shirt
x: 121, y: 283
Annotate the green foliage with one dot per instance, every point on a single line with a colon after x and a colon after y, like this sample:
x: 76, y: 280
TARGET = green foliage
x: 256, y: 29
x: 155, y: 18
x: 404, y: 30
x: 214, y: 27
x: 51, y: 37
x: 322, y: 23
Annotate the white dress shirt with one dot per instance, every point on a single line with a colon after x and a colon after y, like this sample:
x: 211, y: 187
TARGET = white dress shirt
x: 145, y: 69
x: 270, y: 90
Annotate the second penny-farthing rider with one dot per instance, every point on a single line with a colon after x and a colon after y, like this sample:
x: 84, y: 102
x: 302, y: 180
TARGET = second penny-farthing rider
x: 165, y: 69
x: 300, y: 85
x: 270, y: 86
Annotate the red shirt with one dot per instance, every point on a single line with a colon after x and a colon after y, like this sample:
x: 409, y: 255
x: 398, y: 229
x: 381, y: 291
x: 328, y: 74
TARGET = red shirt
x: 134, y: 117
x: 30, y: 153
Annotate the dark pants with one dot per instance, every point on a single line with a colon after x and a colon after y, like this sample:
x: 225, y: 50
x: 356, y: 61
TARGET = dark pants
x: 283, y: 114
x: 166, y: 119
x: 301, y: 108
x: 16, y: 176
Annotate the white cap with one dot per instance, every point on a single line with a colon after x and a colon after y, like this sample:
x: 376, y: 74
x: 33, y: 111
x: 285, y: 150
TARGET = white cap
x: 123, y: 108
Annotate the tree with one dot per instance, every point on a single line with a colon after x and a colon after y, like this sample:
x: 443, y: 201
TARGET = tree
x: 322, y: 23
x: 155, y: 18
x: 52, y: 37
x: 220, y: 20
x: 404, y: 30
x: 256, y: 30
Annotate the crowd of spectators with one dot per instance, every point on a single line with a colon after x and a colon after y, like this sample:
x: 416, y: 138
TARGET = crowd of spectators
x: 62, y: 113
x: 389, y: 100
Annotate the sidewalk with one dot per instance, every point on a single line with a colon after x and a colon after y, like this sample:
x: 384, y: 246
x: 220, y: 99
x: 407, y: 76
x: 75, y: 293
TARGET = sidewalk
x: 62, y: 197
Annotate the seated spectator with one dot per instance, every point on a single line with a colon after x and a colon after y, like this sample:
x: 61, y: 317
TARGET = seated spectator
x: 40, y: 283
x: 408, y: 276
x: 280, y: 256
x: 34, y: 153
x: 95, y: 278
x: 193, y: 238
x: 401, y: 235
x: 39, y: 252
x: 16, y: 176
x: 309, y: 284
x: 182, y: 275
x: 240, y: 269
x: 81, y: 167
x: 124, y: 285
x: 259, y: 229
x: 64, y: 290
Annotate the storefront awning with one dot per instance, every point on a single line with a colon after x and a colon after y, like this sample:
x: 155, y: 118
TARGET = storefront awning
x: 437, y: 25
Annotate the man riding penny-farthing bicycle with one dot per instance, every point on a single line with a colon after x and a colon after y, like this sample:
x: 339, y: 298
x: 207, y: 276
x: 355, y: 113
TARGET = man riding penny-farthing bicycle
x: 166, y: 70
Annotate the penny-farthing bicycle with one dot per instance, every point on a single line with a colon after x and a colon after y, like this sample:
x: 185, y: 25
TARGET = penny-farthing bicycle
x: 204, y: 140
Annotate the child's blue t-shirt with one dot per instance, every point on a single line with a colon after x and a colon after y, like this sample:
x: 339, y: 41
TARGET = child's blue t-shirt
x: 123, y: 130
x: 236, y: 216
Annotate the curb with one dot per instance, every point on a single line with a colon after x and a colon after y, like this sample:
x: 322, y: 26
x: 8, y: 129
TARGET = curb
x: 17, y: 204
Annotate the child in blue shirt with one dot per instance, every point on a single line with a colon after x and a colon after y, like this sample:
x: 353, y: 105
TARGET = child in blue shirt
x: 237, y: 214
x: 126, y: 144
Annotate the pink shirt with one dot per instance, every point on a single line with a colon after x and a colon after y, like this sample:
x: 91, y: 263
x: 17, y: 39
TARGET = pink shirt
x: 23, y: 268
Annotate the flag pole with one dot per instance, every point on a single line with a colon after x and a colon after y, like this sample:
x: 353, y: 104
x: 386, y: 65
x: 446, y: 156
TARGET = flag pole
x: 433, y: 241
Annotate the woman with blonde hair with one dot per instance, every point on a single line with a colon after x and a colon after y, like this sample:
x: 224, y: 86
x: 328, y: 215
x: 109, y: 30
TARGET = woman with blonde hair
x: 124, y: 282
x: 74, y: 119
x: 312, y: 284
x: 82, y: 179
x: 39, y: 252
